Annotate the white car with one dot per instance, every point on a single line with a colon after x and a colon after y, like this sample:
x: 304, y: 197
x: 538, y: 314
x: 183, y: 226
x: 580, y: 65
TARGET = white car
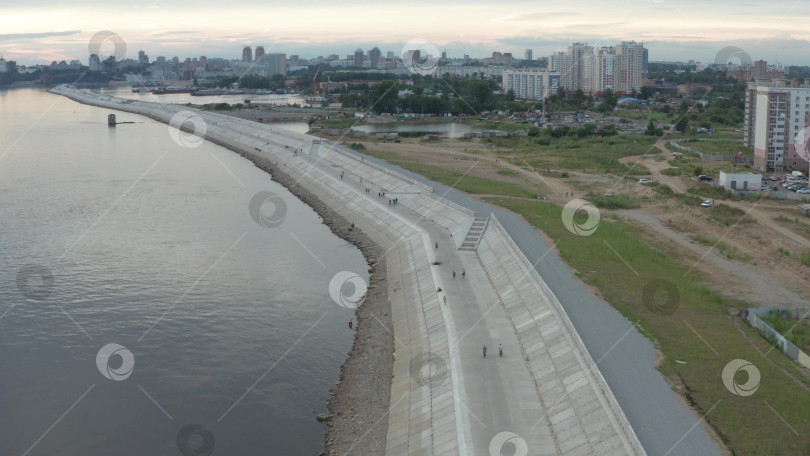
x: 803, y: 191
x: 707, y: 203
x: 644, y: 181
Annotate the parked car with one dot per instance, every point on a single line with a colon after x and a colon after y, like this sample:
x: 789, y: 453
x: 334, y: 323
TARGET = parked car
x: 644, y: 181
x: 705, y: 178
x: 803, y: 191
x: 707, y: 203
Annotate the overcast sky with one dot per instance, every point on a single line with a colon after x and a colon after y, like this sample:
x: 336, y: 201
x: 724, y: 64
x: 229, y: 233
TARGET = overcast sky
x: 39, y: 31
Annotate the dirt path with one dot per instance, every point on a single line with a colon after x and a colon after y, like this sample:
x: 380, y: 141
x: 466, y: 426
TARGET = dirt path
x: 765, y: 219
x: 656, y: 167
x: 749, y: 283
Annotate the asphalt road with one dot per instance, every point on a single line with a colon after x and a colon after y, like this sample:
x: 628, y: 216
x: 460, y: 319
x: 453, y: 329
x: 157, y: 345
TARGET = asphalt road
x: 663, y: 423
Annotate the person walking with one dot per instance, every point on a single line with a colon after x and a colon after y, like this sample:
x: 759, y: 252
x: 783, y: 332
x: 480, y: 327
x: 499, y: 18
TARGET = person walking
x: 350, y: 323
x: 454, y: 273
x: 437, y: 246
x: 485, y: 351
x: 463, y: 273
x: 500, y: 350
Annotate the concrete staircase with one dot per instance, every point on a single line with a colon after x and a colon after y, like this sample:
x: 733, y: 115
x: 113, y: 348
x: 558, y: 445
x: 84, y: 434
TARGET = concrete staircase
x: 475, y: 233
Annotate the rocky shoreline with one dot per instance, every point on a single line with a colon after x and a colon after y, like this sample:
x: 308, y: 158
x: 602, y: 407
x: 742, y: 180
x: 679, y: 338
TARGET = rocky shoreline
x: 357, y: 420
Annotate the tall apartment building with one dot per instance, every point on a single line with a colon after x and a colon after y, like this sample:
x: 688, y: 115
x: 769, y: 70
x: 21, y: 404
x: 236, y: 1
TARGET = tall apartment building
x: 358, y: 57
x: 528, y: 55
x: 620, y: 68
x: 777, y: 124
x: 247, y: 54
x: 374, y: 56
x: 259, y: 53
x: 630, y: 66
x: 531, y: 85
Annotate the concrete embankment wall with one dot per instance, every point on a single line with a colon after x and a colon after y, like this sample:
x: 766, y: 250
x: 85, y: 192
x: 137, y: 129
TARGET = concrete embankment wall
x: 423, y: 416
x: 581, y: 409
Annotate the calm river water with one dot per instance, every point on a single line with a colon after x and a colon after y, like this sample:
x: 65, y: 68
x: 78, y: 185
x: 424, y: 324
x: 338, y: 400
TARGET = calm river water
x: 227, y: 338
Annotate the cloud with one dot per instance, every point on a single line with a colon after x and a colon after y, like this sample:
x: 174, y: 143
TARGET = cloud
x: 534, y: 16
x: 23, y: 36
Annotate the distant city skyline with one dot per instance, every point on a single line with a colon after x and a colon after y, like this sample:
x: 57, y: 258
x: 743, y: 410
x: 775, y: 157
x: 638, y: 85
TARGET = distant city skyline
x: 42, y: 31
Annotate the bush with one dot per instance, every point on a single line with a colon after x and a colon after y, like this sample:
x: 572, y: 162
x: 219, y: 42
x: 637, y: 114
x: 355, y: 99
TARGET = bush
x: 805, y: 258
x: 608, y: 130
x: 544, y: 140
x: 357, y: 146
x: 534, y: 131
x: 613, y: 201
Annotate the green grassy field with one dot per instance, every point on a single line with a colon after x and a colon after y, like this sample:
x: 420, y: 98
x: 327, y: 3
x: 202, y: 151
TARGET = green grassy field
x: 592, y: 154
x: 731, y: 252
x: 466, y: 183
x: 746, y: 424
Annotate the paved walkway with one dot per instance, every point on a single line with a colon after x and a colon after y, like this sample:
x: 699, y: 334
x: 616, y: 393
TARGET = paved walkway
x: 446, y: 397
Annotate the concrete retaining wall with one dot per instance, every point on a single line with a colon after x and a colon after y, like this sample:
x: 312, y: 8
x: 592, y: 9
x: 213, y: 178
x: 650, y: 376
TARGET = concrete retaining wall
x: 752, y: 316
x: 584, y: 416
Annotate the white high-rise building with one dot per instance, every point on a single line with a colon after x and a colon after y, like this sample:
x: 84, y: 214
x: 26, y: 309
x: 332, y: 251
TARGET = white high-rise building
x: 604, y: 70
x: 630, y: 66
x: 94, y: 63
x: 777, y: 124
x: 619, y: 68
x: 531, y: 85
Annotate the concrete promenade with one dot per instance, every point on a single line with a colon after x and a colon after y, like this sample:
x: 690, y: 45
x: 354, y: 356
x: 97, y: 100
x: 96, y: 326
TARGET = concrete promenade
x: 446, y: 398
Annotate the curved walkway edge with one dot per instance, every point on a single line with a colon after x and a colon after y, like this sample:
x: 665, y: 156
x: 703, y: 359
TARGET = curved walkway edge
x: 445, y: 397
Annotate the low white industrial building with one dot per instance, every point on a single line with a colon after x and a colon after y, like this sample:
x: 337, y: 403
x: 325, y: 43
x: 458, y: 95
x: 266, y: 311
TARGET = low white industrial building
x: 740, y: 182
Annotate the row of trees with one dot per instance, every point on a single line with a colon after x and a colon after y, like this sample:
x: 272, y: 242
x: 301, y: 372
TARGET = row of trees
x: 459, y: 96
x: 273, y: 82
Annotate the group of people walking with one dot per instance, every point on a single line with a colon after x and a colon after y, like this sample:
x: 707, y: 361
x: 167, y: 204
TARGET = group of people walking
x: 500, y: 350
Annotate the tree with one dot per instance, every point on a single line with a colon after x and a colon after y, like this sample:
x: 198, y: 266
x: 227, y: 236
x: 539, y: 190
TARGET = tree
x: 609, y: 101
x: 682, y: 124
x: 586, y: 130
x: 383, y: 97
x: 608, y: 130
x: 578, y: 97
x: 652, y: 131
x: 510, y: 95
